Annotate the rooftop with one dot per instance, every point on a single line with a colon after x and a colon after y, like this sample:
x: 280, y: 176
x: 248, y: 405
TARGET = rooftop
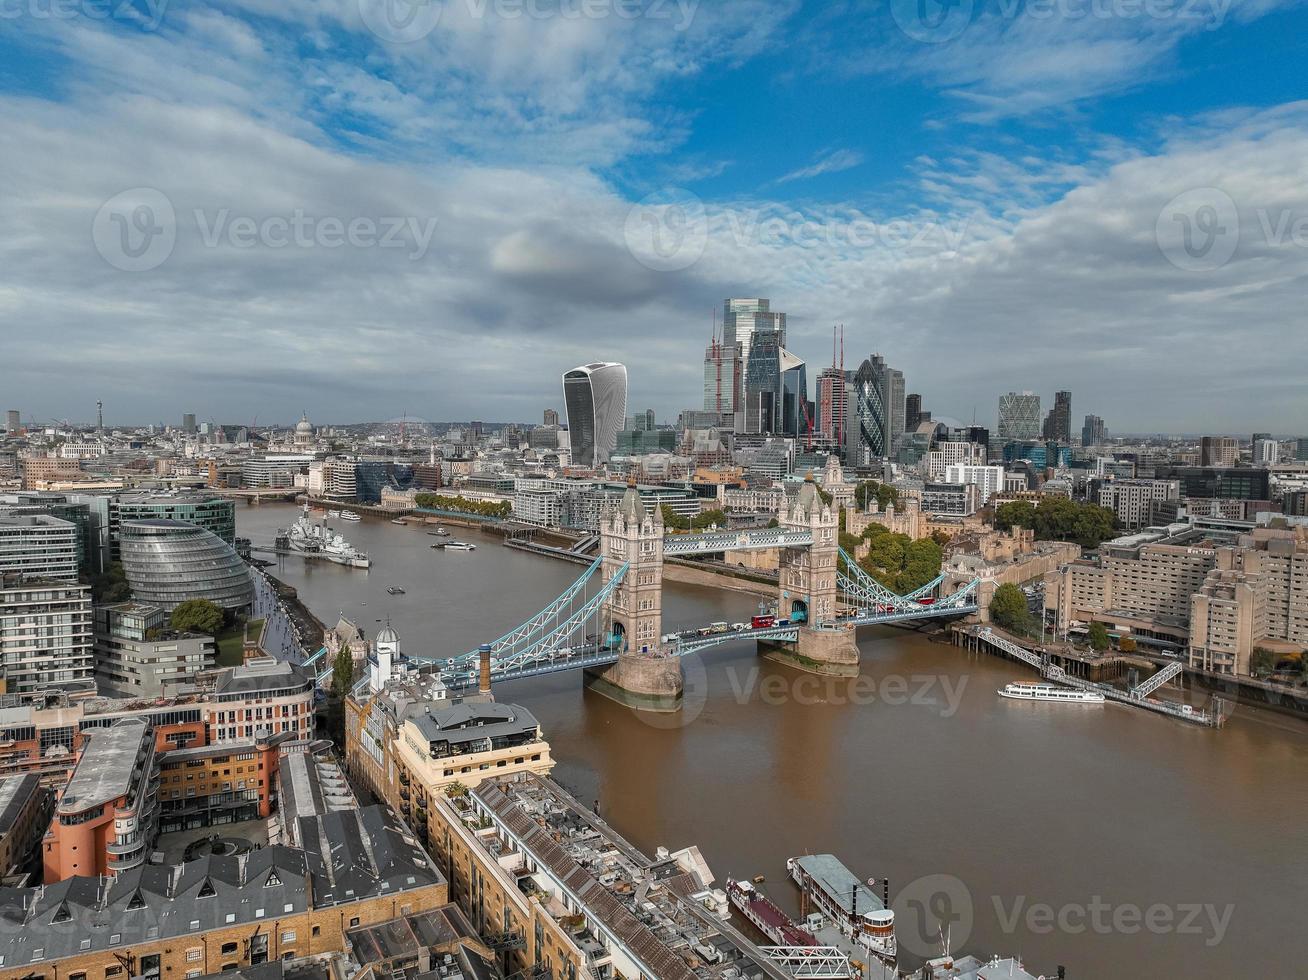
x: 15, y: 791
x: 106, y: 767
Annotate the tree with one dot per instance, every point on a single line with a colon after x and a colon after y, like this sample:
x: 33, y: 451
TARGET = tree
x: 198, y: 616
x: 1057, y: 518
x: 1099, y: 636
x: 1008, y: 608
x: 1127, y: 644
x: 343, y: 672
x: 1262, y: 662
x: 884, y: 494
x: 111, y: 586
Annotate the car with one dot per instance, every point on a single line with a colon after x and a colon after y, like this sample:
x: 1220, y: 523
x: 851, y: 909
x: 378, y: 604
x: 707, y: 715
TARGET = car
x: 739, y: 626
x: 719, y: 628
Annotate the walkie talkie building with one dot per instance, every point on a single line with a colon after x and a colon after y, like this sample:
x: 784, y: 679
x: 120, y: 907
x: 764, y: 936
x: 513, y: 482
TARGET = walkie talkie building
x: 595, y: 397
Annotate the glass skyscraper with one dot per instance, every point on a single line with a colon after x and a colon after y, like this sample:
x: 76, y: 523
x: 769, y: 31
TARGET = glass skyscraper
x: 595, y: 398
x: 1019, y: 417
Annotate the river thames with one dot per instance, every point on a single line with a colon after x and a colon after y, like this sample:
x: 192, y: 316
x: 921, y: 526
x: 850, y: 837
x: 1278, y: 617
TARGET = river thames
x: 1108, y: 839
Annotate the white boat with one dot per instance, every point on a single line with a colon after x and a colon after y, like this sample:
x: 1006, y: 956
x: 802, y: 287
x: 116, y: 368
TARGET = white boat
x: 349, y: 515
x: 459, y: 546
x: 317, y: 540
x: 333, y: 513
x: 1027, y: 691
x: 400, y: 521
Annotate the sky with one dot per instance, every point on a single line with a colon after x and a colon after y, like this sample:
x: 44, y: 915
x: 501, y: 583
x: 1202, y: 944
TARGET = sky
x: 362, y: 209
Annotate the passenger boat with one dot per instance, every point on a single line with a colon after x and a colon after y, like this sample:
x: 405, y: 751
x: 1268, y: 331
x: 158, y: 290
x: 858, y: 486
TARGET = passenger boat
x: 349, y: 515
x: 855, y: 909
x: 400, y: 521
x: 455, y: 546
x: 333, y: 513
x: 440, y: 532
x: 1028, y: 691
x: 766, y: 917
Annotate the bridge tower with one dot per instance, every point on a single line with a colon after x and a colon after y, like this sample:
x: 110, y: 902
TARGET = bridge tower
x: 645, y: 676
x: 631, y: 535
x: 808, y: 575
x: 808, y: 591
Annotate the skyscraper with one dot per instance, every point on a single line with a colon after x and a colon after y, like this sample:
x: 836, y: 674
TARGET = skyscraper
x: 742, y: 321
x: 188, y: 424
x: 595, y: 398
x: 721, y: 377
x: 1092, y: 432
x: 794, y: 420
x: 1019, y: 416
x: 12, y: 423
x: 550, y: 417
x: 831, y: 403
x: 865, y: 417
x: 913, y: 412
x: 1058, y: 424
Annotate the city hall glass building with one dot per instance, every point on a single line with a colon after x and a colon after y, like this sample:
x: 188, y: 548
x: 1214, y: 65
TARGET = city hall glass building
x: 169, y: 562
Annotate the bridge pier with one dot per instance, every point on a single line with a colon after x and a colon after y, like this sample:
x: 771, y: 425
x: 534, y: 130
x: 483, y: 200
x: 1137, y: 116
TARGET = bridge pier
x: 640, y: 681
x: 833, y: 652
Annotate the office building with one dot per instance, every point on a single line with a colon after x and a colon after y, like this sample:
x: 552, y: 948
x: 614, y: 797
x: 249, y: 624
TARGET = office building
x: 989, y: 480
x: 865, y: 432
x: 40, y: 547
x: 1301, y: 450
x: 169, y: 562
x: 913, y: 411
x: 1218, y: 451
x: 1266, y: 452
x: 832, y: 404
x: 722, y: 381
x: 137, y: 655
x: 742, y: 321
x: 795, y: 415
x: 1058, y: 423
x: 274, y: 470
x: 952, y: 499
x: 1133, y: 500
x: 1019, y: 417
x: 1222, y: 483
x: 642, y: 422
x: 13, y: 425
x: 949, y: 453
x: 43, y: 472
x: 188, y: 424
x: 45, y: 635
x: 107, y: 817
x: 595, y: 398
x: 641, y: 442
x: 1093, y: 431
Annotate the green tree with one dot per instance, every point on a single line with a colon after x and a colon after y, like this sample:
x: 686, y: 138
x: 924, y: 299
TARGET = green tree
x: 1057, y: 518
x: 1014, y: 513
x: 1008, y: 608
x: 110, y: 586
x: 1099, y: 636
x: 343, y: 672
x: 1262, y: 662
x: 882, y: 493
x: 198, y: 616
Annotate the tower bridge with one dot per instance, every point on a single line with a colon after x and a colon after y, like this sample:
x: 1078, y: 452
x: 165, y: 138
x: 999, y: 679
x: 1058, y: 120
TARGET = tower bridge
x: 609, y: 622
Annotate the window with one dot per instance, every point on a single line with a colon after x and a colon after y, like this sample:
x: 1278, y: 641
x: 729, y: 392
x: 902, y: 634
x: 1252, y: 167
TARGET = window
x: 288, y: 937
x: 354, y: 921
x: 228, y: 949
x: 316, y: 930
x: 192, y: 955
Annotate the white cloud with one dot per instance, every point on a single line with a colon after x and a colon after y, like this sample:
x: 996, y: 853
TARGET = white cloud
x: 831, y: 163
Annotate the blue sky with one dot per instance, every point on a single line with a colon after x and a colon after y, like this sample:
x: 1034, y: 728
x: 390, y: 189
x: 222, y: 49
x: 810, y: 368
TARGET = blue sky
x: 999, y: 196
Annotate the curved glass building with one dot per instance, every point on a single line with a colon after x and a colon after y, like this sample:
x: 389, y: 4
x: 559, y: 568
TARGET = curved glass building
x: 168, y: 562
x: 595, y: 396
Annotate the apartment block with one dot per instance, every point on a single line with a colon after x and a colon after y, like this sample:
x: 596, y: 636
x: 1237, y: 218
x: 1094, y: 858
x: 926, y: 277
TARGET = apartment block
x: 45, y: 635
x: 24, y: 815
x: 1228, y: 616
x: 40, y: 547
x: 137, y: 655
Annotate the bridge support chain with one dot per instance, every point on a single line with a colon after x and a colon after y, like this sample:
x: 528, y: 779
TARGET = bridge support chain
x: 833, y: 652
x: 640, y: 681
